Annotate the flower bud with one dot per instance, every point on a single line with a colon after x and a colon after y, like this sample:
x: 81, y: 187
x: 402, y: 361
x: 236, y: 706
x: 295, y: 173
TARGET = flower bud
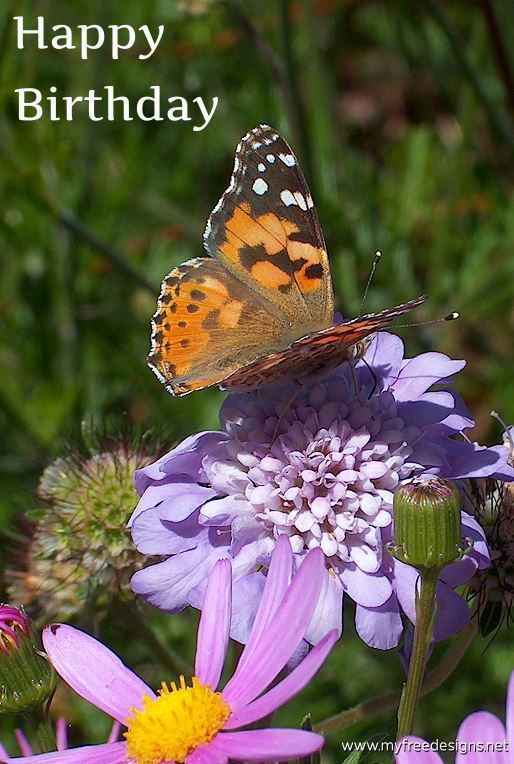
x: 427, y: 523
x: 27, y: 679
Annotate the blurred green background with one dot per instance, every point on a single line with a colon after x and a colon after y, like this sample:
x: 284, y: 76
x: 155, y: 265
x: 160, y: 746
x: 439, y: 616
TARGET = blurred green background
x: 402, y: 116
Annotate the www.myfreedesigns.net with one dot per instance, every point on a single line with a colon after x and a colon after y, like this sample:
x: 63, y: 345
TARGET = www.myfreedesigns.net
x: 416, y: 746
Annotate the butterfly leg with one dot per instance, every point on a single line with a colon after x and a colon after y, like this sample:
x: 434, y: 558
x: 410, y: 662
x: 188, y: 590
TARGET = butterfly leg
x: 355, y: 382
x: 374, y: 377
x: 287, y: 408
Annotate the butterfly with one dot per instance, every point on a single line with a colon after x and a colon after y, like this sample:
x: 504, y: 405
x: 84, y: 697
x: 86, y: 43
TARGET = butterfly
x: 261, y: 306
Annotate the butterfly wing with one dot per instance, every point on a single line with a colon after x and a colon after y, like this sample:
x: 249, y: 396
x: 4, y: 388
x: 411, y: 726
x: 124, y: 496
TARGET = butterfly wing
x: 266, y: 232
x: 317, y: 353
x: 207, y: 325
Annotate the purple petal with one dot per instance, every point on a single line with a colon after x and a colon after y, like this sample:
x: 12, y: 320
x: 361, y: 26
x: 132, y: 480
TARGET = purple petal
x: 409, y: 751
x: 380, y: 627
x: 107, y: 753
x: 167, y: 584
x: 328, y: 614
x: 152, y: 535
x: 268, y: 744
x: 385, y: 354
x: 176, y: 503
x: 287, y: 688
x: 472, y: 460
x: 282, y: 636
x: 368, y: 589
x: 278, y: 579
x: 214, y: 627
x: 93, y: 671
x: 423, y: 371
x: 452, y: 613
x: 185, y: 459
x: 5, y: 755
x: 482, y: 727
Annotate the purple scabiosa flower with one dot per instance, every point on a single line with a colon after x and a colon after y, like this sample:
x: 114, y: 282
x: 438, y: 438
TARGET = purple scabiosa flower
x: 482, y: 738
x: 319, y: 464
x: 197, y: 724
x: 61, y: 736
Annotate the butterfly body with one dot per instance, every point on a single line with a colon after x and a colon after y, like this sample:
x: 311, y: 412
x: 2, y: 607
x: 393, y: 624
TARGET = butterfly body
x: 261, y: 306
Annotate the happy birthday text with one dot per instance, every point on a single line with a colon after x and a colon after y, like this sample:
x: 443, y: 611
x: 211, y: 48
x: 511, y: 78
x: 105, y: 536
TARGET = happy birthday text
x: 105, y: 104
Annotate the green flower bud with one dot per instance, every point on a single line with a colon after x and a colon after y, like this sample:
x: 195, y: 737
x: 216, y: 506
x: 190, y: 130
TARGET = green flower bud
x: 427, y: 523
x: 27, y: 680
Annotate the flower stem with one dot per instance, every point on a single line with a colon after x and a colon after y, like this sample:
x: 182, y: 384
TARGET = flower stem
x: 423, y: 631
x: 39, y: 721
x: 435, y: 679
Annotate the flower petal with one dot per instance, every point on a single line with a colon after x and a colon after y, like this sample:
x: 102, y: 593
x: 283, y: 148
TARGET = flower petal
x: 287, y: 688
x: 152, y: 535
x: 509, y: 714
x: 423, y: 371
x: 482, y: 727
x: 93, y: 671
x: 368, y: 589
x: 185, y: 459
x: 278, y: 579
x: 328, y: 614
x: 214, y: 628
x: 268, y: 744
x: 207, y: 754
x: 379, y: 627
x: 167, y: 584
x: 472, y: 460
x: 282, y: 636
x: 107, y: 753
x: 408, y: 751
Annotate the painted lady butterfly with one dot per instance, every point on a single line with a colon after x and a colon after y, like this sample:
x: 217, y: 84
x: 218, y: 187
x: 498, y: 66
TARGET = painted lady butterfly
x: 261, y: 307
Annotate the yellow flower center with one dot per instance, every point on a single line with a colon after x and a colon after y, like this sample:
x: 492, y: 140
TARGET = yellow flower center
x: 171, y: 726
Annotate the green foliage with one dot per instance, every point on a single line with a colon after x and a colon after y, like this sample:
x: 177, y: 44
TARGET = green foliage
x: 399, y: 113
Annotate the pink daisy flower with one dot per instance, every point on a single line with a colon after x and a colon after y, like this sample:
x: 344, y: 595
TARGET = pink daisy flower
x: 197, y: 723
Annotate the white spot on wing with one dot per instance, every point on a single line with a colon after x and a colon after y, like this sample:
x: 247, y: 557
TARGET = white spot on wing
x: 287, y: 159
x: 270, y: 158
x: 261, y: 167
x: 260, y: 186
x: 288, y: 198
x: 300, y: 200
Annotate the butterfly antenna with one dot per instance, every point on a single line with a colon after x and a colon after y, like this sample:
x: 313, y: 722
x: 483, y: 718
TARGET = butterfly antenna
x: 450, y: 317
x: 376, y: 261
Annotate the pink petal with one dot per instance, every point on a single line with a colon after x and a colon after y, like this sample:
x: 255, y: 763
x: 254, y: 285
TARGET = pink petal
x: 214, y: 627
x: 277, y: 581
x: 93, y: 671
x: 282, y: 636
x: 114, y: 733
x: 23, y: 743
x: 107, y: 753
x: 482, y: 727
x: 61, y: 734
x: 409, y: 751
x: 207, y: 754
x: 3, y: 753
x: 287, y: 688
x: 269, y: 744
x: 510, y: 713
